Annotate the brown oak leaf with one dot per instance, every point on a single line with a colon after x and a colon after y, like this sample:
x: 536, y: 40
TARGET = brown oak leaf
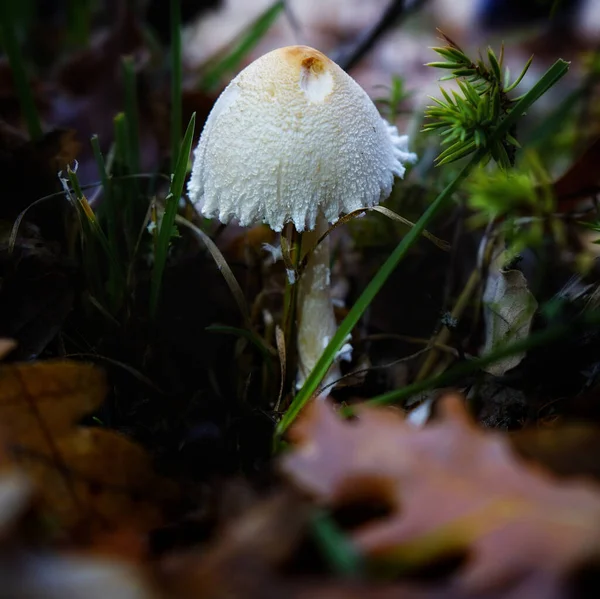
x: 450, y: 488
x: 87, y: 480
x: 42, y: 401
x: 103, y: 481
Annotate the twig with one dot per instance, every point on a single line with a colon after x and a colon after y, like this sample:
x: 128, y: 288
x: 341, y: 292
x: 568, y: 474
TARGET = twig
x: 444, y: 335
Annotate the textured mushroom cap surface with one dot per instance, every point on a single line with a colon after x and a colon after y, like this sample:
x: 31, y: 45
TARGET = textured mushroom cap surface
x: 291, y: 134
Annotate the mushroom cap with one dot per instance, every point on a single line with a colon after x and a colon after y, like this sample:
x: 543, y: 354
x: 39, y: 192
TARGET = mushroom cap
x: 291, y: 135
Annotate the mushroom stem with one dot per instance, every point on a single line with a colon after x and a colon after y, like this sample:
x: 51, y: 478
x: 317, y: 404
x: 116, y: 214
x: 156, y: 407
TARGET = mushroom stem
x: 315, y: 314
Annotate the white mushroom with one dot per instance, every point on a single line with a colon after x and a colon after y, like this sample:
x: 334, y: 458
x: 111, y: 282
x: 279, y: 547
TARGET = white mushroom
x: 294, y: 139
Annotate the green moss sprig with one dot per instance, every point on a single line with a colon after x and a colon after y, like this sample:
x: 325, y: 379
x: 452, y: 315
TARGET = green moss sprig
x: 467, y: 118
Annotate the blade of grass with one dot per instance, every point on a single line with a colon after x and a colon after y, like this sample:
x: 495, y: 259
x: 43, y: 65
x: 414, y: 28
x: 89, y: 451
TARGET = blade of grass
x: 176, y: 80
x: 114, y: 273
x: 245, y: 44
x: 341, y: 555
x: 554, y: 73
x: 19, y: 72
x: 87, y: 240
x: 135, y: 209
x: 122, y: 153
x: 89, y: 217
x: 125, y: 194
x: 167, y: 223
x: 107, y: 202
x: 132, y: 117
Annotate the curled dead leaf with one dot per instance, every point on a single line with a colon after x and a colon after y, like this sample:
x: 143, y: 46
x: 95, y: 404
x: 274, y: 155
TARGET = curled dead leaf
x: 509, y: 308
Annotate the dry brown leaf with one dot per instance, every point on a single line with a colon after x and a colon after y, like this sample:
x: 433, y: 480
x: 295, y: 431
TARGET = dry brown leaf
x: 44, y: 400
x: 246, y: 557
x: 450, y: 488
x: 107, y: 482
x: 88, y: 479
x: 508, y: 311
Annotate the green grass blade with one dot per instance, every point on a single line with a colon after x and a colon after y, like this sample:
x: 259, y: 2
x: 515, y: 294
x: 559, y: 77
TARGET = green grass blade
x: 110, y: 213
x: 168, y: 220
x: 91, y: 227
x: 132, y: 116
x: 19, y: 72
x: 122, y: 139
x: 125, y: 194
x: 246, y: 43
x: 341, y: 555
x: 89, y: 217
x: 554, y: 73
x: 176, y: 81
x: 107, y: 200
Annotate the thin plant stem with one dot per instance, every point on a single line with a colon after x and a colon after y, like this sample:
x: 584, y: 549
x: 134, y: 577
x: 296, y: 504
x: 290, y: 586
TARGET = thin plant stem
x: 131, y: 110
x: 111, y: 223
x: 444, y: 335
x: 167, y: 223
